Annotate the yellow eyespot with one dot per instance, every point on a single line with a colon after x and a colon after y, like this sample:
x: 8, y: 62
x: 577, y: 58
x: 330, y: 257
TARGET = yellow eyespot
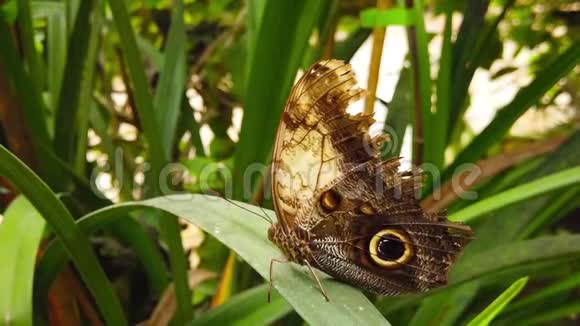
x: 329, y: 200
x: 390, y: 248
x: 367, y: 209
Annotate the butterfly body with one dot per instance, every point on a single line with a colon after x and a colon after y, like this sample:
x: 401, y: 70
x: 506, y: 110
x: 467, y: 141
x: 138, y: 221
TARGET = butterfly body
x: 343, y: 210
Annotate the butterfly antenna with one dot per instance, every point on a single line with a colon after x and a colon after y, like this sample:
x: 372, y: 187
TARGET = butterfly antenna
x: 267, y: 218
x: 265, y: 213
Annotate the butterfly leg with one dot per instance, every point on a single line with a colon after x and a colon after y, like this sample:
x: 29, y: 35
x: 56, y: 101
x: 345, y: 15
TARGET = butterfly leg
x: 313, y: 274
x: 272, y: 261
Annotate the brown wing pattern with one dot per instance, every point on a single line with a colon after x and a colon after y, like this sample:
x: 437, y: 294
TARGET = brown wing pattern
x: 342, y: 245
x: 343, y: 210
x: 317, y: 140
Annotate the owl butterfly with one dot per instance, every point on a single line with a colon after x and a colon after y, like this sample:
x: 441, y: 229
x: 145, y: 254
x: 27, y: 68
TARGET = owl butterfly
x: 343, y: 210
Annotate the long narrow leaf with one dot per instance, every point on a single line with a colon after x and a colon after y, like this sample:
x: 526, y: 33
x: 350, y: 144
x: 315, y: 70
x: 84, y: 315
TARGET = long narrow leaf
x: 245, y: 233
x: 150, y: 52
x: 543, y: 317
x: 519, y: 193
x: 56, y: 52
x: 247, y: 308
x: 55, y: 257
x: 523, y: 100
x: 503, y: 226
x: 423, y: 74
x: 545, y: 294
x: 283, y: 34
x: 452, y: 303
x: 489, y: 313
x: 73, y: 103
x: 20, y: 235
x: 555, y: 209
x: 517, y: 259
x: 441, y: 116
x: 346, y: 49
x: 399, y: 114
x: 32, y: 57
x: 171, y: 85
x: 463, y: 52
x: 61, y: 221
x: 158, y: 155
x: 473, y: 44
x: 31, y: 101
x: 141, y: 89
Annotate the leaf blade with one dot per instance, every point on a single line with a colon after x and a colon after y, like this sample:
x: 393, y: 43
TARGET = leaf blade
x: 246, y: 234
x: 523, y: 100
x: 284, y: 28
x: 170, y: 90
x: 61, y: 221
x: 528, y: 190
x: 20, y: 235
x: 489, y: 313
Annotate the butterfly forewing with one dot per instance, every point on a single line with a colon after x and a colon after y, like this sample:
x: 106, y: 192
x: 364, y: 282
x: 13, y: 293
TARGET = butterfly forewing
x: 317, y: 141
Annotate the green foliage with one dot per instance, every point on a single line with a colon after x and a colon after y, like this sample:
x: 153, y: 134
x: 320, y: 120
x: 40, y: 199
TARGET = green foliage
x: 494, y: 308
x: 60, y: 220
x: 20, y: 232
x: 516, y: 194
x: 9, y: 11
x: 104, y: 105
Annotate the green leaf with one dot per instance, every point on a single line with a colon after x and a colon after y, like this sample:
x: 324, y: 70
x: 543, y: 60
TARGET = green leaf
x: 31, y: 56
x: 132, y: 234
x: 511, y: 220
x: 30, y: 99
x: 9, y: 11
x: 61, y: 221
x: 254, y: 21
x: 489, y: 313
x: 283, y: 32
x: 399, y: 114
x: 344, y: 50
x: 158, y: 155
x: 150, y: 52
x: 422, y: 74
x: 374, y: 17
x: 56, y: 48
x: 170, y: 231
x: 141, y: 90
x: 463, y: 52
x: 516, y: 258
x: 247, y: 308
x: 170, y: 89
x: 514, y: 219
x: 474, y: 44
x: 536, y: 299
x: 72, y: 10
x: 453, y: 303
x: 516, y: 194
x: 245, y: 233
x: 126, y: 229
x: 72, y: 112
x: 543, y: 317
x: 523, y: 100
x: 441, y: 115
x: 20, y: 235
x: 560, y: 205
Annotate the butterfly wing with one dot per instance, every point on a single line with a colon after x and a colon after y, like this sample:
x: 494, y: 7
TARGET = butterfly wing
x: 383, y: 240
x: 317, y: 141
x: 358, y: 214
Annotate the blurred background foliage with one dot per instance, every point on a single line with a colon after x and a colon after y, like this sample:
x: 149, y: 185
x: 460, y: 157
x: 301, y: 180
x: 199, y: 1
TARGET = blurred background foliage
x: 100, y: 99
